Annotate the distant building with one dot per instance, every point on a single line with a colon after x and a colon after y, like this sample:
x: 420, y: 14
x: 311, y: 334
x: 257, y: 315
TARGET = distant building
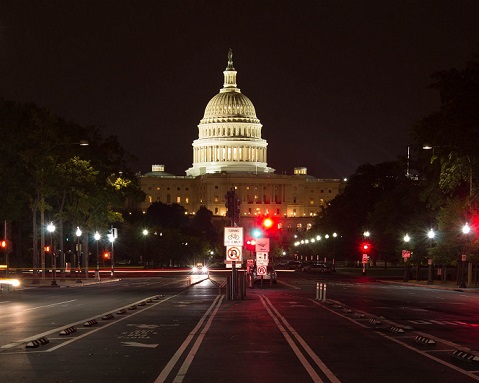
x: 230, y: 153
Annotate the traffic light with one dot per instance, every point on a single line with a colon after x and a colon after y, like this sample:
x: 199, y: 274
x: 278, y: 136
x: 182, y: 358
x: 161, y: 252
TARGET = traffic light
x: 365, y: 247
x: 268, y: 223
x: 257, y: 233
x: 251, y: 244
x: 106, y: 255
x: 233, y: 205
x: 46, y: 249
x: 3, y: 244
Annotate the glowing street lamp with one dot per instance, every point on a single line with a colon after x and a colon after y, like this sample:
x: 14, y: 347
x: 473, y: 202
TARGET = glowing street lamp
x: 145, y: 234
x: 97, y: 237
x: 466, y: 229
x: 430, y: 234
x: 112, y: 238
x: 51, y: 230
x: 78, y: 234
x: 406, y: 239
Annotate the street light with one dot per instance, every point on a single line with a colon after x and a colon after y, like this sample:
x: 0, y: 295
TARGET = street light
x: 41, y: 207
x: 145, y: 234
x: 78, y: 233
x: 51, y: 229
x: 466, y: 229
x: 97, y: 237
x: 334, y: 252
x: 406, y: 239
x: 111, y: 238
x: 430, y: 234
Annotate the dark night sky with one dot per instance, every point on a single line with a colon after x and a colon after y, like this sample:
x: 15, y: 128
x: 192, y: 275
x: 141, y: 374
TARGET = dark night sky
x: 335, y: 83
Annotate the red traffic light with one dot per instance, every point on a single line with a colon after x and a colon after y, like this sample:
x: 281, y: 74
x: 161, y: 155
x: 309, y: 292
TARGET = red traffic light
x: 365, y: 247
x: 3, y: 244
x: 106, y: 255
x: 268, y: 223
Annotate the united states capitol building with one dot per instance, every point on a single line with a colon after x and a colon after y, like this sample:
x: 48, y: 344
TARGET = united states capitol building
x: 231, y: 154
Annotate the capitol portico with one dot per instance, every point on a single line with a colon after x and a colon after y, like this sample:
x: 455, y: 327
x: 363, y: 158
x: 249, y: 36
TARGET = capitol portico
x: 231, y: 153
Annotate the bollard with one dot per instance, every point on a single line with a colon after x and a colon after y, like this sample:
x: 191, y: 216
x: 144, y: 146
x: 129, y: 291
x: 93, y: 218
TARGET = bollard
x: 228, y: 288
x: 188, y: 281
x: 317, y: 290
x: 324, y: 293
x: 241, y: 286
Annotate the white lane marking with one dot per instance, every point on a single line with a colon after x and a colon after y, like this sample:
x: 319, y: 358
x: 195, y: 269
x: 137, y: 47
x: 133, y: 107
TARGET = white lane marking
x: 110, y: 324
x: 189, y: 358
x: 266, y: 302
x: 138, y: 344
x: 171, y: 364
x: 51, y: 305
x: 46, y: 333
x: 423, y: 353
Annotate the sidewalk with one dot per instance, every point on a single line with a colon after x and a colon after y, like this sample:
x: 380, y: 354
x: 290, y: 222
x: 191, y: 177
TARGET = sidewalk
x: 439, y: 285
x: 28, y: 283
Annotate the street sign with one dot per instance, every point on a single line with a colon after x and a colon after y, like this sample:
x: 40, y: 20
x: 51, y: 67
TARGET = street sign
x: 365, y: 258
x: 262, y: 244
x: 261, y: 270
x: 229, y: 264
x: 406, y: 254
x: 262, y: 259
x: 233, y: 253
x: 464, y: 257
x: 233, y: 236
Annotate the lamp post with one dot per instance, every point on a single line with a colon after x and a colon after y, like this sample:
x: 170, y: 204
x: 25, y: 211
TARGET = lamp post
x: 465, y: 230
x: 111, y: 237
x: 430, y: 234
x: 335, y: 235
x: 40, y: 206
x: 145, y: 234
x: 97, y: 237
x: 51, y: 229
x: 78, y: 233
x: 407, y: 254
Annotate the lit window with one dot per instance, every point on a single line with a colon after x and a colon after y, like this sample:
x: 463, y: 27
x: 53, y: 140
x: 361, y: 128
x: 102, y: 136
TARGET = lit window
x: 187, y: 200
x: 178, y: 199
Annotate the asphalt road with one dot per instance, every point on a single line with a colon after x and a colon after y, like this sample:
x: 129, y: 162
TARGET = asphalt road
x: 159, y: 329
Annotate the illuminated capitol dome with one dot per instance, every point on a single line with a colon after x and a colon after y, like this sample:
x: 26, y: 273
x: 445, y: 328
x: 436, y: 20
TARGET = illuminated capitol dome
x: 230, y: 154
x: 229, y: 139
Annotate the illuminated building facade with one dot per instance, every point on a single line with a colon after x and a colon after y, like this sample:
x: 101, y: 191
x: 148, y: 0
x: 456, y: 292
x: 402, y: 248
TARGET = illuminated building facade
x: 230, y: 153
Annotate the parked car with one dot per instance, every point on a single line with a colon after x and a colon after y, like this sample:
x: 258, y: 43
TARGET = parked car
x: 270, y: 275
x: 293, y: 265
x: 316, y: 267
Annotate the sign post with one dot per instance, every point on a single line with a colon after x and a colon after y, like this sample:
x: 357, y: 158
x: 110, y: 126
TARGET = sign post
x: 233, y: 241
x: 406, y: 254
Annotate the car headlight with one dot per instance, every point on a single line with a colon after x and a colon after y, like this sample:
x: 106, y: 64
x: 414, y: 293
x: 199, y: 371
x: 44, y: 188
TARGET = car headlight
x: 13, y: 282
x: 204, y: 269
x: 194, y: 269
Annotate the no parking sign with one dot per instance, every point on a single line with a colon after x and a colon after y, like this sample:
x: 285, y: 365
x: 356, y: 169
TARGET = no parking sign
x: 261, y: 270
